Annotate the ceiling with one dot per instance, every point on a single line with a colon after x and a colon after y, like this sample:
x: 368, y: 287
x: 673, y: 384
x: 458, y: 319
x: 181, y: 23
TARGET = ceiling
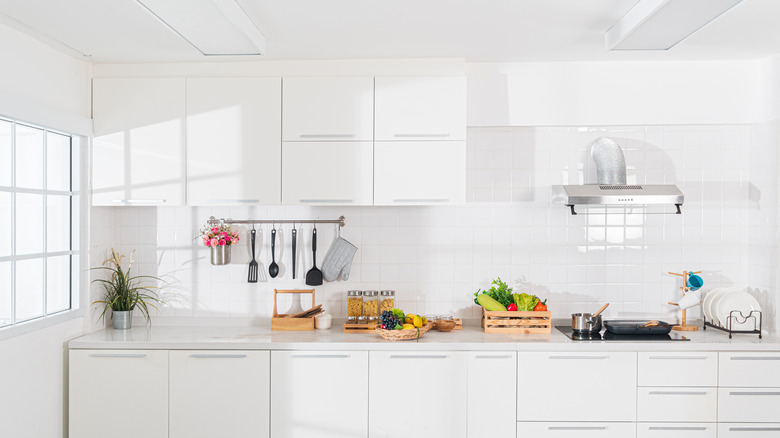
x: 120, y: 31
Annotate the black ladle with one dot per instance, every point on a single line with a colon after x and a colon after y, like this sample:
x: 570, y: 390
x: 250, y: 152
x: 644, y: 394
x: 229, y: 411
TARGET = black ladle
x: 273, y: 268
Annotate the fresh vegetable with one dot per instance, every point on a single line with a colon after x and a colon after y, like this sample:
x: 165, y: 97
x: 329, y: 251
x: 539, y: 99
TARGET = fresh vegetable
x: 489, y: 303
x: 512, y: 307
x: 500, y: 292
x: 541, y: 306
x: 525, y: 302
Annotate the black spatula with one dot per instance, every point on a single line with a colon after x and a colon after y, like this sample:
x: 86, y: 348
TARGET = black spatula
x: 314, y: 276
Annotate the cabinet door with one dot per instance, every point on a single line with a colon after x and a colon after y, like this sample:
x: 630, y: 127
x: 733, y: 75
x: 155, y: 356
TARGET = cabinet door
x: 419, y: 393
x: 492, y: 394
x: 420, y: 173
x: 328, y: 109
x: 219, y: 393
x: 670, y: 404
x: 420, y: 108
x: 676, y: 430
x: 757, y: 369
x: 745, y: 405
x: 678, y: 369
x: 138, y: 145
x: 319, y: 394
x: 234, y: 141
x: 606, y: 381
x: 578, y: 430
x: 122, y: 393
x: 327, y: 173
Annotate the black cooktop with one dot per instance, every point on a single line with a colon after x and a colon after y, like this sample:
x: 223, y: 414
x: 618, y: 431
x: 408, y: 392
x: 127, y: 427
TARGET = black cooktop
x: 607, y: 336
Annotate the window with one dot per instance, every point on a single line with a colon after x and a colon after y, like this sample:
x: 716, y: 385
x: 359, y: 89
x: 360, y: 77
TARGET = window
x: 37, y: 212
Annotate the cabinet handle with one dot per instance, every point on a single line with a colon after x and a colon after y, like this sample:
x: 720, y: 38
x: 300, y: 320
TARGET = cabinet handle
x: 580, y: 357
x: 484, y: 356
x: 754, y: 358
x: 678, y: 393
x: 431, y: 200
x: 576, y: 427
x: 218, y: 356
x: 421, y: 135
x: 753, y: 393
x: 327, y: 135
x: 117, y: 355
x: 423, y: 356
x: 678, y: 357
x: 320, y: 356
x: 754, y: 429
x: 233, y: 201
x: 677, y: 428
x: 139, y: 201
x: 326, y: 201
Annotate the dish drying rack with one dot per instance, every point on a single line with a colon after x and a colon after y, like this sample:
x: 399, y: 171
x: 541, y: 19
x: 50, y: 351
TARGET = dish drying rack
x: 739, y: 318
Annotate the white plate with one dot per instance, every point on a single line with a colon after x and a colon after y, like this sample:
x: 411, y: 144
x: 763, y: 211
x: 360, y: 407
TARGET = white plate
x: 741, y: 301
x: 709, y: 300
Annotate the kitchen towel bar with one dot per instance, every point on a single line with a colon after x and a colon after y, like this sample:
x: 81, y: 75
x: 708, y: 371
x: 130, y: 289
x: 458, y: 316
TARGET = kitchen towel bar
x: 341, y: 221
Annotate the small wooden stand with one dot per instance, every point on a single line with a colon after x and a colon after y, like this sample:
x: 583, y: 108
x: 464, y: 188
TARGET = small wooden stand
x: 283, y: 321
x: 684, y: 327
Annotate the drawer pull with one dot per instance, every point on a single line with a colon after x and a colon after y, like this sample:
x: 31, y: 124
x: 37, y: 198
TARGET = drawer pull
x: 233, y: 201
x: 580, y: 357
x: 327, y: 135
x: 754, y: 429
x: 678, y: 357
x: 117, y: 355
x: 576, y: 427
x: 753, y: 393
x: 677, y: 428
x: 485, y: 356
x: 678, y: 392
x: 218, y: 356
x: 320, y: 356
x: 421, y: 135
x: 432, y: 200
x: 425, y: 356
x: 754, y: 358
x: 326, y: 201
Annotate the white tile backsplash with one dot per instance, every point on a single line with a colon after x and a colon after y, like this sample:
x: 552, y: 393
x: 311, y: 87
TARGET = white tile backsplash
x: 436, y: 257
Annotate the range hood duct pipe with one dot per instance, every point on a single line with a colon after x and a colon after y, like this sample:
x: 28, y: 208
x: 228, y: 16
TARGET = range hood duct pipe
x: 610, y: 162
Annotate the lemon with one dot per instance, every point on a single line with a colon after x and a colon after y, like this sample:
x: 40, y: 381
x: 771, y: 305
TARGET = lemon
x: 424, y: 320
x: 417, y: 321
x: 408, y: 327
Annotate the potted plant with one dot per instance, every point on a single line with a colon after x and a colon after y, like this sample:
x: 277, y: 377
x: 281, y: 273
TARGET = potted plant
x: 123, y: 292
x: 219, y: 238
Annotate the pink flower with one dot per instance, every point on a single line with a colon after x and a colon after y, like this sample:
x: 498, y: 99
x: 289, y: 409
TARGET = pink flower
x: 214, y: 242
x: 222, y: 242
x: 228, y: 239
x: 215, y: 230
x: 223, y: 234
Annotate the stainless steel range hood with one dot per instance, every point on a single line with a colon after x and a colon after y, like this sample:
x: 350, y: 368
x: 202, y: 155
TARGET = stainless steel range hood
x: 611, y: 189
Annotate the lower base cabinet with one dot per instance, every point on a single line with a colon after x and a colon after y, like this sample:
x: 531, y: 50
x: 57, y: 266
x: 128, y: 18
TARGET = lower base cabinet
x: 491, y: 396
x: 319, y: 394
x: 219, y: 393
x: 579, y: 430
x: 676, y: 430
x: 420, y: 394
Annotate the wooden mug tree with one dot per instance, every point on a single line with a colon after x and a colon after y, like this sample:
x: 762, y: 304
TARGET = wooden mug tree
x: 685, y: 289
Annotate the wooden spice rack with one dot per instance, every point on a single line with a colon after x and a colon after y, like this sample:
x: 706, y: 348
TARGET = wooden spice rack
x: 516, y: 322
x: 283, y: 322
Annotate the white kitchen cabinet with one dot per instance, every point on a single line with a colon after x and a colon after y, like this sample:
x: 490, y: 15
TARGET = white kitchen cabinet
x: 676, y: 430
x: 219, y: 393
x: 327, y: 173
x: 419, y: 173
x: 420, y: 108
x: 670, y: 404
x: 492, y: 377
x: 234, y: 141
x: 748, y: 430
x: 122, y: 393
x: 328, y: 109
x: 417, y: 393
x: 319, y: 394
x: 749, y: 405
x: 579, y: 430
x: 606, y: 381
x: 678, y: 369
x: 759, y: 369
x: 138, y: 146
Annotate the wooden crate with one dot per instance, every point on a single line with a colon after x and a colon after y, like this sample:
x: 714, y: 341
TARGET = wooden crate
x: 516, y: 322
x: 283, y: 322
x: 359, y: 328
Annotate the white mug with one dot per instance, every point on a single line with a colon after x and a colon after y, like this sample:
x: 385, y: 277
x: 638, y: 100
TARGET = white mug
x: 691, y: 299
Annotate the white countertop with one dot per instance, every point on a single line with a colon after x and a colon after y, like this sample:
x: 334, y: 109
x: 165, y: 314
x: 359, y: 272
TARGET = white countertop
x: 471, y: 338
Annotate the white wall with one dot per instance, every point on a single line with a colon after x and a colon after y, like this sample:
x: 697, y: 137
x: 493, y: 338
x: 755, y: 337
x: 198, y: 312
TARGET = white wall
x: 40, y: 85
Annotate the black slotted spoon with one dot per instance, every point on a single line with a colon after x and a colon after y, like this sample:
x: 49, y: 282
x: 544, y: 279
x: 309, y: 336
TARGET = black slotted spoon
x: 253, y: 264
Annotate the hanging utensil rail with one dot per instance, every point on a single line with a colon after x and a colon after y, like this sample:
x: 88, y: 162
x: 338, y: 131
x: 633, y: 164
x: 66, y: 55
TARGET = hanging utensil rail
x: 341, y: 221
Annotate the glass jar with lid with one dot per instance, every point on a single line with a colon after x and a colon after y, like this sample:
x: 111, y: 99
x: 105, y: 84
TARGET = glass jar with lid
x: 354, y: 306
x: 386, y: 301
x: 371, y: 305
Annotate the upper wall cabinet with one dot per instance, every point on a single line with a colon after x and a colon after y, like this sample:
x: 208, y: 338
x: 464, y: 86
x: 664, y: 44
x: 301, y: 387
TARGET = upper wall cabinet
x: 328, y: 109
x: 420, y: 108
x: 234, y: 141
x: 138, y: 148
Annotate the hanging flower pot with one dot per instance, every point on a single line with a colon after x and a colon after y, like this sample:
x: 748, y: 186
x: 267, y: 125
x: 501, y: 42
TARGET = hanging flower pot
x: 219, y: 238
x: 220, y: 255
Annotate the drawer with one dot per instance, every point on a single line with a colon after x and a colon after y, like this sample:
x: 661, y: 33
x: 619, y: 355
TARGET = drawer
x: 554, y: 386
x: 747, y: 430
x: 677, y: 404
x: 676, y: 430
x: 749, y: 370
x: 579, y: 430
x: 678, y: 369
x: 744, y: 405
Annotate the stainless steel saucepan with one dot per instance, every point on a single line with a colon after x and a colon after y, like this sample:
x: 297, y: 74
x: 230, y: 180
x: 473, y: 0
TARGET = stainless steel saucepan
x: 587, y: 322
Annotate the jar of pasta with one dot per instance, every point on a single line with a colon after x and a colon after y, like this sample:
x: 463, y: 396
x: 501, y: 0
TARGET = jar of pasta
x: 386, y: 300
x: 354, y: 306
x: 371, y: 305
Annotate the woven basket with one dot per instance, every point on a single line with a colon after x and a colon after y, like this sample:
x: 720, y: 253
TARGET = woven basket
x: 403, y: 335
